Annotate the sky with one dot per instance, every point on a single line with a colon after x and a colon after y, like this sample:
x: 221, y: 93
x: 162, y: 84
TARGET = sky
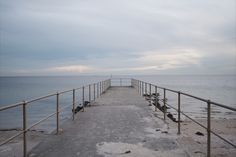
x: 103, y: 37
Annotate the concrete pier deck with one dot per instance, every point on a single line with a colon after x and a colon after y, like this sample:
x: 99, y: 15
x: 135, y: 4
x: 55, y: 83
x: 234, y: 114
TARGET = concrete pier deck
x: 118, y: 124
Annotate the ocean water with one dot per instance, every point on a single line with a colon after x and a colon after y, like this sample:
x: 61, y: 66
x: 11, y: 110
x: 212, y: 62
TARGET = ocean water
x: 17, y: 89
x: 217, y: 88
x: 220, y: 89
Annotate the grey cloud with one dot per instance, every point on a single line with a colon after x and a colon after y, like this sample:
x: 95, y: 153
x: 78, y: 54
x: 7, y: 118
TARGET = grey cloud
x: 59, y: 33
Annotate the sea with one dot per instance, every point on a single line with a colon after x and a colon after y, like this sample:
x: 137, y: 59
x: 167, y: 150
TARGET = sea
x: 217, y: 88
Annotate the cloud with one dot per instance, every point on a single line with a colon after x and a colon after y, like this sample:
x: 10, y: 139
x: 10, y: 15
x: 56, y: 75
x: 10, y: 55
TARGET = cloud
x: 71, y: 68
x: 130, y: 69
x: 169, y: 59
x: 129, y: 36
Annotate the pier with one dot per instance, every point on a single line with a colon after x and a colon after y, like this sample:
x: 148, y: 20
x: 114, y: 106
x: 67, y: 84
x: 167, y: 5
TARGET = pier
x: 115, y: 124
x: 122, y: 117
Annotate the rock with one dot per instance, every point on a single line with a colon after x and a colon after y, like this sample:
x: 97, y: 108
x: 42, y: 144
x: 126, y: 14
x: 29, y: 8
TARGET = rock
x: 171, y: 117
x: 154, y: 94
x: 165, y: 132
x: 199, y: 133
x: 86, y: 103
x: 146, y: 95
x: 158, y: 130
x: 127, y: 152
x: 162, y: 108
x: 158, y: 105
x: 77, y: 109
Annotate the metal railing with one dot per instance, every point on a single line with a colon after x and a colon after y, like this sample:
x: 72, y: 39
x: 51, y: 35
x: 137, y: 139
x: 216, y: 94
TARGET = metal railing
x: 121, y: 82
x: 98, y: 89
x: 143, y: 88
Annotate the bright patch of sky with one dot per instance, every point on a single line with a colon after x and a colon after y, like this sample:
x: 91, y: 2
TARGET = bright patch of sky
x: 61, y: 37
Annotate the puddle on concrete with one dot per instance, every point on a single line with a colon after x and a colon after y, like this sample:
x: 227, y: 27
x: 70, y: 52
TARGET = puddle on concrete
x: 119, y: 149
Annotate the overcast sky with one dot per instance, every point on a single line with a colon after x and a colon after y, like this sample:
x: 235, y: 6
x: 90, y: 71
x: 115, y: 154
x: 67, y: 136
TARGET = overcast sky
x: 73, y: 37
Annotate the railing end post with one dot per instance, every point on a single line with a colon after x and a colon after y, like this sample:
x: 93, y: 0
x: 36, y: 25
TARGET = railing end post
x: 179, y: 93
x: 208, y: 128
x: 73, y: 105
x: 164, y: 101
x: 24, y: 129
x: 57, y: 111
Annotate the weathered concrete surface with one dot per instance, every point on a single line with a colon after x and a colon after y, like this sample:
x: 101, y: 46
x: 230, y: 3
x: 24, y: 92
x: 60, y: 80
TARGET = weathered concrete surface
x: 120, y: 123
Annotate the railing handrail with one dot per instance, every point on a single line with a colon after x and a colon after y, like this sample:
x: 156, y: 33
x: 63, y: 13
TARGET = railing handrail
x: 10, y: 106
x: 5, y: 107
x: 140, y: 87
x: 192, y: 96
x: 123, y: 78
x: 100, y: 87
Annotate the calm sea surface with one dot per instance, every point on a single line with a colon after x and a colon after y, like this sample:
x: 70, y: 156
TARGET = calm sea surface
x: 220, y: 89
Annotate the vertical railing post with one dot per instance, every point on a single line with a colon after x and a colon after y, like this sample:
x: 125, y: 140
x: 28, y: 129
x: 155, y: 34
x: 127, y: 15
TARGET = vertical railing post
x: 150, y: 93
x: 138, y: 86
x: 24, y: 130
x: 97, y: 89
x: 145, y: 88
x: 94, y: 91
x: 178, y: 113
x: 164, y: 107
x: 73, y: 104
x: 150, y: 89
x: 89, y: 94
x: 100, y: 88
x: 156, y: 98
x: 104, y: 86
x: 209, y: 128
x: 142, y: 88
x: 83, y: 98
x: 57, y: 108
